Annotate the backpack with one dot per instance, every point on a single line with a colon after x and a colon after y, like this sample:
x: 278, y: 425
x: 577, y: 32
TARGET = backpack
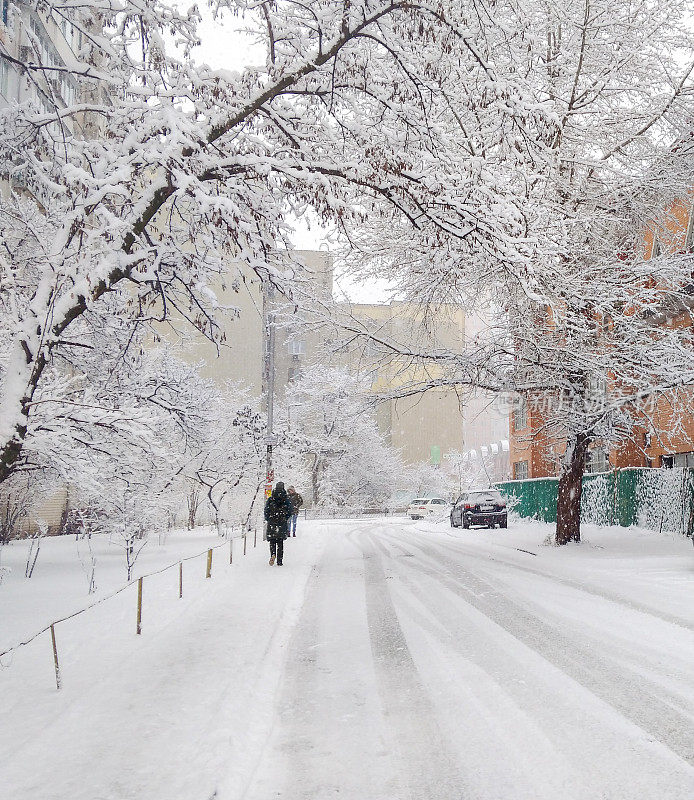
x: 276, y: 512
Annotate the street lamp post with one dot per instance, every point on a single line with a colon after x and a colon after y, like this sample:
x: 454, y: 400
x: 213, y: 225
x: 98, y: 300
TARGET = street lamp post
x: 269, y: 327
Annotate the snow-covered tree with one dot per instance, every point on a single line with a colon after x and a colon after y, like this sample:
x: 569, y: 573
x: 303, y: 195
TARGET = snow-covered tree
x: 584, y: 330
x: 470, y: 470
x: 427, y: 480
x: 161, y: 171
x: 230, y: 457
x: 582, y: 308
x: 334, y: 427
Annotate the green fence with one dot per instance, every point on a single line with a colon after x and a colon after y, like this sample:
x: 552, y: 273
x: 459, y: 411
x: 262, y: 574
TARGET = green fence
x: 660, y: 499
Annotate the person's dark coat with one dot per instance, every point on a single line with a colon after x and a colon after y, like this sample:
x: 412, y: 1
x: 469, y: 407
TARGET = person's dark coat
x: 278, y: 509
x: 296, y: 500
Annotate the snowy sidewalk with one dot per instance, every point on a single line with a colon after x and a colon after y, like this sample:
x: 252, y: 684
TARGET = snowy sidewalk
x: 163, y: 715
x: 385, y: 661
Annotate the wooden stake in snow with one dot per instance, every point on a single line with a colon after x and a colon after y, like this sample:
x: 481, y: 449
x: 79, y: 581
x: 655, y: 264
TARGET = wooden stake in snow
x: 180, y: 579
x: 139, y: 606
x: 255, y: 536
x: 209, y: 563
x: 231, y: 550
x: 244, y: 543
x: 58, y: 682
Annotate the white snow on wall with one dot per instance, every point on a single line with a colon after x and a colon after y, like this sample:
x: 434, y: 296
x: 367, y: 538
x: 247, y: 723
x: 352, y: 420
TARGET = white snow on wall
x: 597, y: 500
x: 661, y: 499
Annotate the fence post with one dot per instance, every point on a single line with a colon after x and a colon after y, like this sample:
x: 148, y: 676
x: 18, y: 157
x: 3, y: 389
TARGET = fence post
x: 255, y: 537
x: 683, y: 501
x: 139, y: 606
x: 209, y: 563
x: 58, y: 682
x: 180, y: 579
x: 244, y: 543
x: 689, y: 502
x: 231, y: 548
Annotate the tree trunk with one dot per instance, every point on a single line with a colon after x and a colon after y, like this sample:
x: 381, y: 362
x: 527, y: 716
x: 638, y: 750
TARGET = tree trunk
x: 193, y: 503
x: 315, y: 472
x: 215, y: 508
x: 569, y: 491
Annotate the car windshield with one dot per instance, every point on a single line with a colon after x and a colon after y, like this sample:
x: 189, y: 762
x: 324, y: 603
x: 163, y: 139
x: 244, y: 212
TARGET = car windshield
x: 484, y: 497
x: 419, y: 501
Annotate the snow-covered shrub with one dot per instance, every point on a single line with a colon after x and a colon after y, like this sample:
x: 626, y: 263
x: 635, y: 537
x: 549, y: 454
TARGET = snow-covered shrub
x: 128, y: 517
x: 17, y: 497
x: 596, y: 500
x: 426, y: 480
x: 661, y: 499
x: 35, y: 548
x: 334, y: 428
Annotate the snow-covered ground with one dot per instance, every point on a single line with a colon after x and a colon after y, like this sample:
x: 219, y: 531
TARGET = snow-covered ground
x: 60, y: 581
x: 386, y: 660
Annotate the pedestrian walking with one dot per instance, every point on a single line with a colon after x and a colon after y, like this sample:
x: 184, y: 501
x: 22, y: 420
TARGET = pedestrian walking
x: 297, y: 501
x: 278, y: 511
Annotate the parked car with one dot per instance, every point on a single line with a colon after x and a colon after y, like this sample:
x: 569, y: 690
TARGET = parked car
x: 479, y: 507
x: 425, y: 506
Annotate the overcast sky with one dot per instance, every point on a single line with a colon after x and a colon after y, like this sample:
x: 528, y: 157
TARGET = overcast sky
x: 225, y: 45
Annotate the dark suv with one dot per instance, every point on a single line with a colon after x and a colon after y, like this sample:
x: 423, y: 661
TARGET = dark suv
x: 482, y: 507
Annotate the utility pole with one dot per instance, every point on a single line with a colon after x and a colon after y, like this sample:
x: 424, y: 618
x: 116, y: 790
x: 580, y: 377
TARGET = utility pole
x: 269, y: 365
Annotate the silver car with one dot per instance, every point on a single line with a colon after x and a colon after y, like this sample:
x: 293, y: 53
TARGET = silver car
x: 422, y: 507
x: 483, y: 507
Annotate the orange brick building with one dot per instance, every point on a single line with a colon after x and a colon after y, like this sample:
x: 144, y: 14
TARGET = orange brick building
x: 666, y: 438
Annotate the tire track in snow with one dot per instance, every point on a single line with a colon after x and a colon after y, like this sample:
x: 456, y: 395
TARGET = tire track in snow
x: 430, y: 769
x: 635, y: 698
x: 328, y: 737
x: 606, y: 594
x: 619, y: 653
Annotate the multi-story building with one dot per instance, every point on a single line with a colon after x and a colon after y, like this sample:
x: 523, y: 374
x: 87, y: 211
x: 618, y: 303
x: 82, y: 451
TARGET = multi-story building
x: 665, y: 437
x: 422, y: 427
x: 28, y: 35
x: 244, y: 309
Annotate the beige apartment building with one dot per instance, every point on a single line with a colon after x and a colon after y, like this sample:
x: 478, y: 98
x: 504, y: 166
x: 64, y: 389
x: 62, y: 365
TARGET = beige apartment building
x: 28, y: 33
x: 244, y: 308
x: 422, y: 427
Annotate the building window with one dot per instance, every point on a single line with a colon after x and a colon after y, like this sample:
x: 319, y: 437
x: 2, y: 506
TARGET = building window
x: 297, y: 347
x: 4, y: 76
x: 677, y: 460
x: 657, y: 248
x: 520, y: 470
x: 596, y: 460
x: 597, y: 385
x: 596, y: 393
x: 520, y: 414
x: 293, y: 374
x: 4, y: 7
x: 689, y: 238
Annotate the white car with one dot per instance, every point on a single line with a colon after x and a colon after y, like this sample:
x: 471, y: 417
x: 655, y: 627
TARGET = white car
x: 422, y: 507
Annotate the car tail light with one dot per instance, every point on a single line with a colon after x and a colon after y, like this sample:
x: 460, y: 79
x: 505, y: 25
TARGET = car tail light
x: 468, y: 507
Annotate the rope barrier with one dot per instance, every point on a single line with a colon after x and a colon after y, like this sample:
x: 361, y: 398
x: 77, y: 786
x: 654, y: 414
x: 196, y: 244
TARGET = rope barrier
x: 101, y: 600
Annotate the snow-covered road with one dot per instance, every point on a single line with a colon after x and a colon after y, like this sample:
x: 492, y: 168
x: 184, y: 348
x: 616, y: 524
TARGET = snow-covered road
x: 384, y: 660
